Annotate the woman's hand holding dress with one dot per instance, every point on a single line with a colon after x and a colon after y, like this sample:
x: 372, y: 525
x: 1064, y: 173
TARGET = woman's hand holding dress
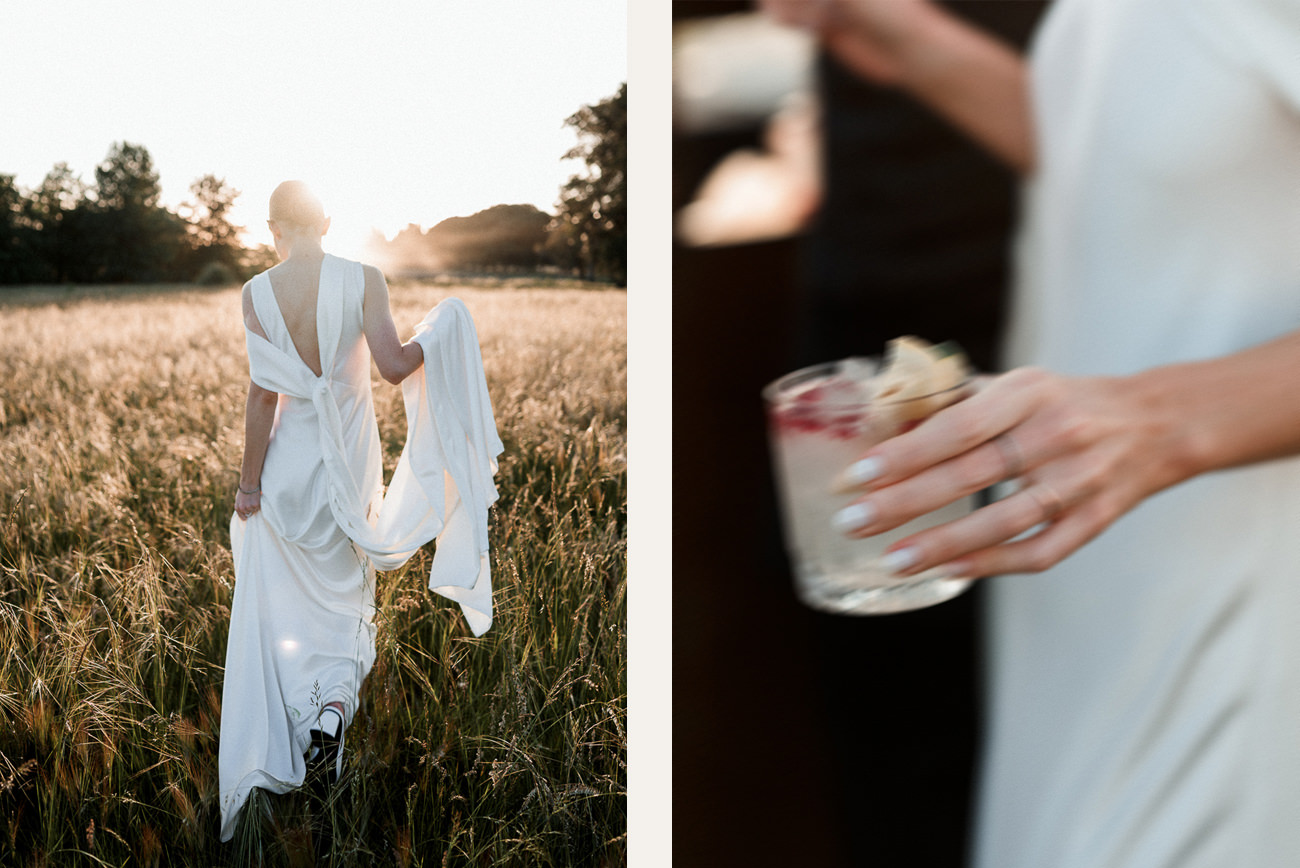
x: 246, y: 504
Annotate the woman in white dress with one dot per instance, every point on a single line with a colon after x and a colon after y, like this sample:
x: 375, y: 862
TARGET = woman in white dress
x: 1144, y: 691
x: 302, y: 634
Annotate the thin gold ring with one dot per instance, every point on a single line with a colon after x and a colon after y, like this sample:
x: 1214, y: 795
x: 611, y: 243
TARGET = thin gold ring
x: 1013, y: 457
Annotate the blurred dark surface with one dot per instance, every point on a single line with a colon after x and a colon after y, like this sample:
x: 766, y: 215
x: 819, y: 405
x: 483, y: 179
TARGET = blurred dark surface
x: 801, y: 738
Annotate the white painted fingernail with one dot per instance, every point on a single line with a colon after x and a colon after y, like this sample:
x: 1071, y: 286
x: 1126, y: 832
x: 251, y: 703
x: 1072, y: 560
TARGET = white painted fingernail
x: 861, y: 472
x: 853, y: 517
x: 899, y: 560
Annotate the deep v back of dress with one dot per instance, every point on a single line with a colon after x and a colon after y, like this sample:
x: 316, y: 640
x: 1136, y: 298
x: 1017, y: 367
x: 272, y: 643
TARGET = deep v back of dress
x: 315, y: 347
x: 296, y: 289
x: 315, y: 318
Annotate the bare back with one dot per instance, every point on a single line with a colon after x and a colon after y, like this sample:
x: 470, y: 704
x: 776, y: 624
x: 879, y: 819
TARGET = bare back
x: 296, y: 286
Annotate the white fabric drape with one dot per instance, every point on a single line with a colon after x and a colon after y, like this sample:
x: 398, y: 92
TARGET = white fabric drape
x: 442, y: 486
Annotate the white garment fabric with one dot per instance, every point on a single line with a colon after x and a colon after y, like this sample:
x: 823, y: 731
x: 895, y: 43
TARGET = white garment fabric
x: 1144, y: 695
x: 302, y: 631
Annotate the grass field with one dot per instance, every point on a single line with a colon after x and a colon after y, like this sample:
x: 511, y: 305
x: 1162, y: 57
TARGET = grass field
x: 120, y: 441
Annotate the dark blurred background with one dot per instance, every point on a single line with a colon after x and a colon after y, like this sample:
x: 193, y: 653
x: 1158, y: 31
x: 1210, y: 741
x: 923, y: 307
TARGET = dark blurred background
x: 801, y: 738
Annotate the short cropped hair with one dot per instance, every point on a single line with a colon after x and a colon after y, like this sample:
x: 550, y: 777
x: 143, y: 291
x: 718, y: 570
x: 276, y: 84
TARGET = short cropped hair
x: 294, y: 206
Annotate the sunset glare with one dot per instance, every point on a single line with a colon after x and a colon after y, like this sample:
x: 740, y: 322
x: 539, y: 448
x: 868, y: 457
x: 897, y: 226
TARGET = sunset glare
x: 397, y: 112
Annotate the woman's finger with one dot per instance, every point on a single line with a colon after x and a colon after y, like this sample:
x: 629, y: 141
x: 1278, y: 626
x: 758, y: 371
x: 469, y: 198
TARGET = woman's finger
x: 984, y: 528
x: 1041, y: 551
x: 883, y: 509
x: 997, y: 406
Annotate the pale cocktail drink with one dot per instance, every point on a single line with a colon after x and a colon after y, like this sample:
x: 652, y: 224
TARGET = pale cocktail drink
x: 821, y: 420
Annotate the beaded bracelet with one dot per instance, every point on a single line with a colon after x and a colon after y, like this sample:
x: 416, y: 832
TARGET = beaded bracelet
x: 254, y: 491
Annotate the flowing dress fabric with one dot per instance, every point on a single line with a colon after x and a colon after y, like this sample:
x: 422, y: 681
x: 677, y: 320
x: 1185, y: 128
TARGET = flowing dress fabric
x: 302, y: 621
x: 1144, y: 696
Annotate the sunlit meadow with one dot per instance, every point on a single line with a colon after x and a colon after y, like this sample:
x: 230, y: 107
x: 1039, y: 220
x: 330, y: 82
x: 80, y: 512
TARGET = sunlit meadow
x: 120, y: 440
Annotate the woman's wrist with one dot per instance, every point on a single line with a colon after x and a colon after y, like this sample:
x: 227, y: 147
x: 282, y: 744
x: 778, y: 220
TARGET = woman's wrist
x: 251, y: 489
x: 1164, y: 401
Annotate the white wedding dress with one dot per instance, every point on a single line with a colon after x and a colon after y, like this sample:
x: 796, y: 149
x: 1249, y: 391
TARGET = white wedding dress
x: 1144, y: 705
x: 302, y: 632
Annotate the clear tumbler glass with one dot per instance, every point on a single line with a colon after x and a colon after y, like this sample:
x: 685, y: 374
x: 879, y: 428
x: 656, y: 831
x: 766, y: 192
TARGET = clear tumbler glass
x: 820, y: 421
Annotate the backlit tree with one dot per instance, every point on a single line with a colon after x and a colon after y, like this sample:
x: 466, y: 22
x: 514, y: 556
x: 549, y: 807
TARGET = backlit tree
x: 591, y: 223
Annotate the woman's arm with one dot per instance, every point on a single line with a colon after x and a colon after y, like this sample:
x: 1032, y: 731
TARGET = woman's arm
x: 259, y: 415
x: 1087, y: 449
x: 395, y: 360
x: 964, y: 73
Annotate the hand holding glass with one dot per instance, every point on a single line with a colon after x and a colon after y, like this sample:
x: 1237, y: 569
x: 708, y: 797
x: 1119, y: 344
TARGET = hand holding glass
x: 822, y: 419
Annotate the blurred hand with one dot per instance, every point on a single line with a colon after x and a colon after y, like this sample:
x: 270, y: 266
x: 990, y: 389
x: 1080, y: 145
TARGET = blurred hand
x: 752, y: 196
x: 1085, y: 451
x: 869, y: 36
x: 247, y: 504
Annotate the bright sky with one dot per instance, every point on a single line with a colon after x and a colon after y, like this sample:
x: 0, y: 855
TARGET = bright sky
x: 395, y: 111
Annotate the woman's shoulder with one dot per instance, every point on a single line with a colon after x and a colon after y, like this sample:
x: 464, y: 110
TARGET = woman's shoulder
x: 246, y: 294
x: 250, y: 284
x: 371, y: 276
x: 262, y: 276
x: 369, y: 271
x: 251, y: 319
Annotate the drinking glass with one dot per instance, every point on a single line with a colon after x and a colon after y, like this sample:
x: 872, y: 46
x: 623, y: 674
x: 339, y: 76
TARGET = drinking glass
x: 820, y: 420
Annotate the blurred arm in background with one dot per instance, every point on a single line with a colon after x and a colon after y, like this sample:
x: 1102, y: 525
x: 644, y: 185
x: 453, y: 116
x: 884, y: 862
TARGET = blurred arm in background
x: 967, y: 75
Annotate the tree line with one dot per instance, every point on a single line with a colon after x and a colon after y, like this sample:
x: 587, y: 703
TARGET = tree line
x: 586, y: 237
x: 115, y: 230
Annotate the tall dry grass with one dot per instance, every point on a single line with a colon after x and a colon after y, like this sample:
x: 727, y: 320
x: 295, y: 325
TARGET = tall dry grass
x: 120, y: 440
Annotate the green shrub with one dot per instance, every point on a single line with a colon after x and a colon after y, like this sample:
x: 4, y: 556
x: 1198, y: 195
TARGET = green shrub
x: 216, y: 274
